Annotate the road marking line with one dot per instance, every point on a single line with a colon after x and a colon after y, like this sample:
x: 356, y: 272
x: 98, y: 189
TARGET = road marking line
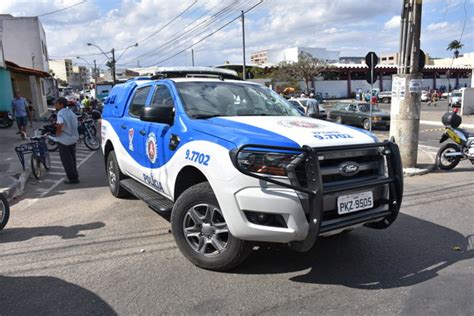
x: 441, y: 124
x: 56, y: 184
x: 57, y: 173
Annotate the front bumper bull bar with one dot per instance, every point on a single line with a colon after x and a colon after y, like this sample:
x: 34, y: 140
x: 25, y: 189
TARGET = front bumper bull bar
x: 379, y: 217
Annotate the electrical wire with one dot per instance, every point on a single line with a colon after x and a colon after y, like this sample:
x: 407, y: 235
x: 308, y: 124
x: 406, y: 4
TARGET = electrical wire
x: 210, y: 34
x: 197, y: 30
x: 63, y: 9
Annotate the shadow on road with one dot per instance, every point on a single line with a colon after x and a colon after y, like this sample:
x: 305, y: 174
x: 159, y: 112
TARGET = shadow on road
x: 410, y: 252
x: 9, y: 235
x: 43, y: 295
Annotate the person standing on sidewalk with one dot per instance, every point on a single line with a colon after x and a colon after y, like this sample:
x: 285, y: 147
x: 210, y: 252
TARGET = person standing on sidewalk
x: 19, y: 108
x: 67, y: 136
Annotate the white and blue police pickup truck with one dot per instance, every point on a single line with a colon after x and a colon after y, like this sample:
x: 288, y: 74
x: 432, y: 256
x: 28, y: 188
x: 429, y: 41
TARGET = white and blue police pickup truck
x: 236, y: 165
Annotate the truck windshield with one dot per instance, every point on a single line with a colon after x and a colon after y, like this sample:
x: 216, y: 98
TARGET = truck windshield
x: 208, y: 99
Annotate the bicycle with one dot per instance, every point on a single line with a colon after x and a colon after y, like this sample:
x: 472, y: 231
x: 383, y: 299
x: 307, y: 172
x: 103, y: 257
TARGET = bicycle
x: 39, y: 155
x: 4, y: 211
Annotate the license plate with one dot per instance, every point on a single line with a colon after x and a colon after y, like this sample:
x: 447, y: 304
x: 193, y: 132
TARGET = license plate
x: 354, y: 202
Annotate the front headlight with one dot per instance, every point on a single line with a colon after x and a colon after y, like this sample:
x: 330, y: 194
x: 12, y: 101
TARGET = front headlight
x: 265, y: 162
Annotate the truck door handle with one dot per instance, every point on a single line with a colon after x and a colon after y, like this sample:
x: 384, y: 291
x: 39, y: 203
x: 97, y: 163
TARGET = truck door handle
x: 142, y: 132
x: 123, y: 126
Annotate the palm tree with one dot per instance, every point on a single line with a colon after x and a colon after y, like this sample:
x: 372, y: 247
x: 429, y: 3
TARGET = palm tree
x: 456, y: 46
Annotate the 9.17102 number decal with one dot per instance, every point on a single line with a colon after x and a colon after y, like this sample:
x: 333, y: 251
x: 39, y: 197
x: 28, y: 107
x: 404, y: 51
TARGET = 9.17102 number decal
x: 198, y: 157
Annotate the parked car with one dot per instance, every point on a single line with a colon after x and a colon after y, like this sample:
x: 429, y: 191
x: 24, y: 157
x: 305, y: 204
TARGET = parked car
x: 234, y: 164
x: 455, y: 99
x: 385, y: 96
x: 305, y: 102
x: 358, y: 114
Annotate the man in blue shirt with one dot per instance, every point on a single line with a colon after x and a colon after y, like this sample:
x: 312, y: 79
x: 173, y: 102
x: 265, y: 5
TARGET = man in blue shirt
x: 67, y: 136
x: 19, y: 108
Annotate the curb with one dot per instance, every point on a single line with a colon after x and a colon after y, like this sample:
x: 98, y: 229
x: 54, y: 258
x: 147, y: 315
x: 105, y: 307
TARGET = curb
x: 17, y: 188
x: 410, y: 172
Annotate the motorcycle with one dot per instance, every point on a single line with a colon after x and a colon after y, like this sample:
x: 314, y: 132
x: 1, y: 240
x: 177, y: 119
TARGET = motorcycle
x: 88, y: 132
x: 450, y: 154
x: 4, y: 211
x: 6, y: 119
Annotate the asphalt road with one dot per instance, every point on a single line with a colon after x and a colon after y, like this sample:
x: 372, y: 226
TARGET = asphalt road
x: 77, y: 250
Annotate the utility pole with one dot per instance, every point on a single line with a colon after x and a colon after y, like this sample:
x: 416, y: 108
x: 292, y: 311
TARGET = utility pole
x: 113, y: 66
x: 95, y: 74
x: 192, y: 56
x: 244, y: 73
x: 406, y: 85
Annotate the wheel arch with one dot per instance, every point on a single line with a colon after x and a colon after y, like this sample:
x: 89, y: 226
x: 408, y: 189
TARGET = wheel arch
x: 186, y: 178
x: 107, y: 149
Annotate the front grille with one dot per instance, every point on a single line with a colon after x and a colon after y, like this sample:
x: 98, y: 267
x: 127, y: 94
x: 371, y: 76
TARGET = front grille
x: 371, y: 165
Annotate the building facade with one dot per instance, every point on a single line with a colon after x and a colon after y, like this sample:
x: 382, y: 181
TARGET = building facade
x: 62, y: 69
x: 25, y: 55
x: 275, y: 56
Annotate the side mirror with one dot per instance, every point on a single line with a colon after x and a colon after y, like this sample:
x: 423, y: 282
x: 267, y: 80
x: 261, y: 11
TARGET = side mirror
x: 164, y: 115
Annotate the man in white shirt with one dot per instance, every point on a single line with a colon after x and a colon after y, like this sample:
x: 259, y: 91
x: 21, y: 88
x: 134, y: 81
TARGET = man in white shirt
x: 67, y: 136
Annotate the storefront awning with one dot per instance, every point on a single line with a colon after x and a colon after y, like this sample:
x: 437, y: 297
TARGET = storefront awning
x: 28, y: 71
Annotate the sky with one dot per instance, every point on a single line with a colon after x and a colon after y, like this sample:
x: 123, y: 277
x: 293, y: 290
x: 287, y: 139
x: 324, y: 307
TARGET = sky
x: 167, y: 29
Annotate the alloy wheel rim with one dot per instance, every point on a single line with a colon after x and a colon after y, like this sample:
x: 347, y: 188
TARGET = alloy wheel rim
x: 112, y: 175
x: 205, y: 229
x: 447, y: 160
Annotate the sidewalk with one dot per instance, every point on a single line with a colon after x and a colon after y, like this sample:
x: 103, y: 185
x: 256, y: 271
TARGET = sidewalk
x: 12, y: 176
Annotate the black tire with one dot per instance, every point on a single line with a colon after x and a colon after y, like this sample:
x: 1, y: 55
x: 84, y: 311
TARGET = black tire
x: 114, y: 176
x: 450, y: 162
x: 339, y: 120
x: 93, y: 130
x: 232, y: 252
x: 4, y: 211
x: 47, y: 161
x: 92, y: 142
x: 366, y: 124
x: 386, y: 100
x: 36, y: 167
x: 6, y: 123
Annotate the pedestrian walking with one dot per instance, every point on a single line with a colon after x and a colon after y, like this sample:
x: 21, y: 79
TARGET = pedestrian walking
x: 67, y: 136
x: 20, y: 111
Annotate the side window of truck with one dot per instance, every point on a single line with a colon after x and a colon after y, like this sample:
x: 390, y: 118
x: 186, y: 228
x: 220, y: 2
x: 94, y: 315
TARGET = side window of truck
x: 138, y: 101
x: 162, y: 97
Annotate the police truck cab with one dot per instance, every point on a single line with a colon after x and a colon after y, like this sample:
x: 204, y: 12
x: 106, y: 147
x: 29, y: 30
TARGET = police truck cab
x: 237, y: 165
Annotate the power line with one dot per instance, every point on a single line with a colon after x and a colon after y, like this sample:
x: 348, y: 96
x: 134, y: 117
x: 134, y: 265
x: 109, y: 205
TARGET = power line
x: 171, y: 21
x: 197, y: 30
x: 63, y: 9
x: 210, y: 34
x: 176, y: 36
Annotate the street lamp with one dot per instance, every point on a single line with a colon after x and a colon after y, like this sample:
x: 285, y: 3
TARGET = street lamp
x: 112, y: 59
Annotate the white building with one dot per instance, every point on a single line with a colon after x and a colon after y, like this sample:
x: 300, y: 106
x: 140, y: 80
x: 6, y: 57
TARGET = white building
x: 275, y: 56
x: 464, y: 60
x: 62, y: 68
x: 26, y: 57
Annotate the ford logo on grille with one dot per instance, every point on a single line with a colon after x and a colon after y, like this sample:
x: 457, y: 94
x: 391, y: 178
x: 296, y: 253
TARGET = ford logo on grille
x: 349, y: 168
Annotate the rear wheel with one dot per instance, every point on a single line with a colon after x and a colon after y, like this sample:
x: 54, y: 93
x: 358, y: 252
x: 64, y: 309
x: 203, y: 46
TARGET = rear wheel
x: 114, y: 176
x: 92, y: 142
x: 366, y: 124
x: 386, y: 100
x: 4, y: 211
x: 36, y: 166
x: 201, y: 232
x: 47, y: 161
x: 448, y: 163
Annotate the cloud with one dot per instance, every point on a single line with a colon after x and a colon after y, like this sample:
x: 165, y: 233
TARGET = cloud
x: 330, y: 31
x: 393, y: 23
x: 437, y: 26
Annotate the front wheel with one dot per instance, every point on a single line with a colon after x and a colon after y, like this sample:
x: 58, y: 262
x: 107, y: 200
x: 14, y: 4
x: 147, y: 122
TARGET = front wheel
x: 4, y: 211
x: 36, y: 166
x: 92, y: 142
x: 386, y: 100
x: 201, y: 232
x: 448, y: 163
x: 114, y: 176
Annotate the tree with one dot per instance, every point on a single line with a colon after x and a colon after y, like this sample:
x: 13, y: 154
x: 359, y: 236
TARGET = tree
x: 455, y: 46
x: 307, y: 67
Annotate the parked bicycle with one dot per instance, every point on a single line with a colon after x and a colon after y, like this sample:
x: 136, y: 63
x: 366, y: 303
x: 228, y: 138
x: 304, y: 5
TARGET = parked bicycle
x: 39, y: 155
x: 4, y: 211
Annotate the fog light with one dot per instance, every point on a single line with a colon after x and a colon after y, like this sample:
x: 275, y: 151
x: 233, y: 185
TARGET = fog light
x: 266, y: 219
